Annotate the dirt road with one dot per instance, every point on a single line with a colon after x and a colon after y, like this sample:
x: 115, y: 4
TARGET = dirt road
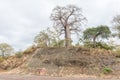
x: 33, y: 77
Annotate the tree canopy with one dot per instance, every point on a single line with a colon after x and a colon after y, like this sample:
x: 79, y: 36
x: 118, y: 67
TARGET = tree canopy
x: 96, y: 32
x: 42, y: 39
x: 5, y: 49
x: 67, y: 19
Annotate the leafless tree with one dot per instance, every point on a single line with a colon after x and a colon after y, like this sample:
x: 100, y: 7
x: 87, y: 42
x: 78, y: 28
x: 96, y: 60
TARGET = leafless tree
x: 67, y: 20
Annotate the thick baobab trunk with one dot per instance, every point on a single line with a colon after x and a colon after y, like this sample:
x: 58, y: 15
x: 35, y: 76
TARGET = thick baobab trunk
x: 67, y: 37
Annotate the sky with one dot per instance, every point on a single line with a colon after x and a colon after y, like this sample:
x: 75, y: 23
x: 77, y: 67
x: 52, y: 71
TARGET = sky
x: 22, y: 20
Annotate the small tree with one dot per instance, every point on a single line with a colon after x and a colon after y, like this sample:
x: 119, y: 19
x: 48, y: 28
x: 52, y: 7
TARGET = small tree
x: 42, y: 39
x: 67, y: 19
x: 5, y: 49
x: 96, y: 32
x: 54, y: 36
x: 48, y: 37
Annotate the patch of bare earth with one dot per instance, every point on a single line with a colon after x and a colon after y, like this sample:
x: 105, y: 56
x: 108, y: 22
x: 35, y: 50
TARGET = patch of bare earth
x: 33, y: 77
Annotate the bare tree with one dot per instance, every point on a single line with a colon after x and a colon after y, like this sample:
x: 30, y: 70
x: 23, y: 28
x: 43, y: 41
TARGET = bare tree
x: 67, y: 19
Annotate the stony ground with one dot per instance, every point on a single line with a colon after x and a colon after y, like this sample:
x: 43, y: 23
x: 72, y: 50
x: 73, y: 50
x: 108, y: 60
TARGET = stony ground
x: 81, y: 61
x: 33, y: 77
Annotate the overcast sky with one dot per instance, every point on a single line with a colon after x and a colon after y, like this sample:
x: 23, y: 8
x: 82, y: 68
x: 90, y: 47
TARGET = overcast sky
x: 21, y: 20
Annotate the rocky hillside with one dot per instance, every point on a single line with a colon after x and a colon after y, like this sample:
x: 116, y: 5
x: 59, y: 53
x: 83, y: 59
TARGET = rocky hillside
x: 75, y: 61
x: 64, y: 62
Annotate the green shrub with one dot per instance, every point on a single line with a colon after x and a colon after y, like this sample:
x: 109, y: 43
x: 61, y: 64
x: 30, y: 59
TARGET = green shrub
x: 107, y: 70
x: 88, y: 44
x: 100, y: 45
x: 18, y: 54
x: 103, y: 45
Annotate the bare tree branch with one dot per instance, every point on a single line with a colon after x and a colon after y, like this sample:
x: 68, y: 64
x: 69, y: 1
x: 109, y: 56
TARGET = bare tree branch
x: 68, y: 19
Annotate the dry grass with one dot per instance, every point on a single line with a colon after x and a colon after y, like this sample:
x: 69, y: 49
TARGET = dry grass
x: 67, y: 62
x: 72, y: 61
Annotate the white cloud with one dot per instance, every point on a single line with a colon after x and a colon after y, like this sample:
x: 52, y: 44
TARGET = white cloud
x: 21, y: 20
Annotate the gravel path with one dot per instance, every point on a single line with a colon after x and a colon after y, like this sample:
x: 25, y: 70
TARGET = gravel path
x: 33, y: 77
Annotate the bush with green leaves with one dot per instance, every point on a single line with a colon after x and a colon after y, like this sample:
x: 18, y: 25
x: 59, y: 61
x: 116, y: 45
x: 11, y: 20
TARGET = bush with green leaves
x: 18, y: 54
x: 88, y: 44
x: 107, y: 70
x: 101, y: 45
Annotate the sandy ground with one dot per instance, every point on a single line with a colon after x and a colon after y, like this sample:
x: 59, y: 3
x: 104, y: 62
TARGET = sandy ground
x: 33, y: 77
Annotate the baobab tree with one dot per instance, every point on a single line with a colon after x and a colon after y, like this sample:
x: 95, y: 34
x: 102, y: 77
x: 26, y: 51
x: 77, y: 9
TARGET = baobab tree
x: 67, y: 19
